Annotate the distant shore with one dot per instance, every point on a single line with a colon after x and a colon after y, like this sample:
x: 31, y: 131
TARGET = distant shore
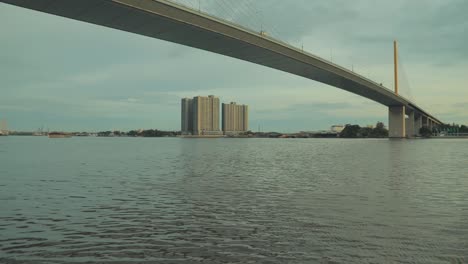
x: 236, y: 137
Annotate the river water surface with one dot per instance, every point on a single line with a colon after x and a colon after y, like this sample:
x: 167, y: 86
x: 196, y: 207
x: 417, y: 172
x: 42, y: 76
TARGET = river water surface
x: 174, y: 200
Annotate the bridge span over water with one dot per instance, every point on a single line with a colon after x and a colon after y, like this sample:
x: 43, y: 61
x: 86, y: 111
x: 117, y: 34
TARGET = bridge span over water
x: 171, y: 22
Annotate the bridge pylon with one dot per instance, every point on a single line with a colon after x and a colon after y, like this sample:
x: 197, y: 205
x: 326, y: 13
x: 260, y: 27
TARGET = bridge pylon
x: 396, y: 121
x: 410, y: 123
x: 395, y: 65
x: 396, y: 114
x: 418, y: 124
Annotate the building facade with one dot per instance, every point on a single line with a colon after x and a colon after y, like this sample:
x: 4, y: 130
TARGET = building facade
x: 235, y: 118
x: 200, y: 116
x: 206, y: 115
x: 187, y: 116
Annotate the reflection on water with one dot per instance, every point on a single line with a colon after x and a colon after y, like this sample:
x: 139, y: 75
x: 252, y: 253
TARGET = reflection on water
x: 124, y: 200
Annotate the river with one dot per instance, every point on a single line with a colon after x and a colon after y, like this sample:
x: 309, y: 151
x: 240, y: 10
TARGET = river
x: 175, y: 200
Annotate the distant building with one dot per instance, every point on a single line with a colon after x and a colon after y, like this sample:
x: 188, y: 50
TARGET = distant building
x: 206, y: 115
x: 337, y: 128
x: 200, y: 116
x: 3, y: 128
x: 235, y: 118
x: 187, y: 116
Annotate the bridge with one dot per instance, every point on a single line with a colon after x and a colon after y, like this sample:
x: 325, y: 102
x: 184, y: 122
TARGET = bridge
x: 169, y: 21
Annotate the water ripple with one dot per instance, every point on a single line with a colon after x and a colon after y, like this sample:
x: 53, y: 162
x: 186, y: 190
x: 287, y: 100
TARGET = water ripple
x: 233, y: 201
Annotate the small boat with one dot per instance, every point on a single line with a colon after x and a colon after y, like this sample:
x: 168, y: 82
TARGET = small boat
x: 59, y: 135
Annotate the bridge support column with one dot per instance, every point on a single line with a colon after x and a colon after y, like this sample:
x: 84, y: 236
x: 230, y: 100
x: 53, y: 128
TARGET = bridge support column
x: 417, y: 124
x: 396, y: 122
x: 432, y: 125
x: 425, y: 121
x: 409, y: 124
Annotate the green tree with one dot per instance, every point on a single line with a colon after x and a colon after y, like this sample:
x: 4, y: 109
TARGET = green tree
x: 379, y: 131
x: 151, y: 133
x: 425, y: 132
x: 351, y: 131
x: 132, y: 133
x: 380, y: 125
x: 463, y: 129
x: 366, y: 132
x: 104, y: 133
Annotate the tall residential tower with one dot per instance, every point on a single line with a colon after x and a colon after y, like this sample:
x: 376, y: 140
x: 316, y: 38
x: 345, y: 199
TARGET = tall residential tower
x: 235, y: 118
x: 187, y: 116
x: 200, y: 116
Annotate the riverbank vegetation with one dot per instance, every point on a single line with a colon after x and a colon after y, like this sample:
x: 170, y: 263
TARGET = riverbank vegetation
x: 355, y: 131
x: 139, y: 133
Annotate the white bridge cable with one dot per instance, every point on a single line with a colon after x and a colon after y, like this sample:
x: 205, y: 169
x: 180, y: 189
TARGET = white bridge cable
x: 249, y: 14
x: 404, y: 80
x: 245, y: 13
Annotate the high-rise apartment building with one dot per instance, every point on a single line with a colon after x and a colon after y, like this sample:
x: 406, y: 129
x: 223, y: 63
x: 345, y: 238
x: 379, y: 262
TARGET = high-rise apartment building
x: 235, y: 118
x: 206, y: 115
x: 200, y: 116
x: 187, y: 116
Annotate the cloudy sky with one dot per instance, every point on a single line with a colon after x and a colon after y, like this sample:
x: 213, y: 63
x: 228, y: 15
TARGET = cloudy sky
x: 63, y: 74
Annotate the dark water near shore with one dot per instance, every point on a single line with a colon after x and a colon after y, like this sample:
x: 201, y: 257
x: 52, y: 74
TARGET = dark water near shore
x: 170, y: 200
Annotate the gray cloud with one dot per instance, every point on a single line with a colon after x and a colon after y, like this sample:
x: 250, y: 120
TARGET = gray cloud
x: 461, y: 105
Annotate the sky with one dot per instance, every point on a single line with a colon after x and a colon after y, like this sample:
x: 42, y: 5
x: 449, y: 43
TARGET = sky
x: 62, y: 74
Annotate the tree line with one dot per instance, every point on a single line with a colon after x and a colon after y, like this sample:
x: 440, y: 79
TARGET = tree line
x: 355, y: 131
x: 447, y: 129
x: 139, y: 133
